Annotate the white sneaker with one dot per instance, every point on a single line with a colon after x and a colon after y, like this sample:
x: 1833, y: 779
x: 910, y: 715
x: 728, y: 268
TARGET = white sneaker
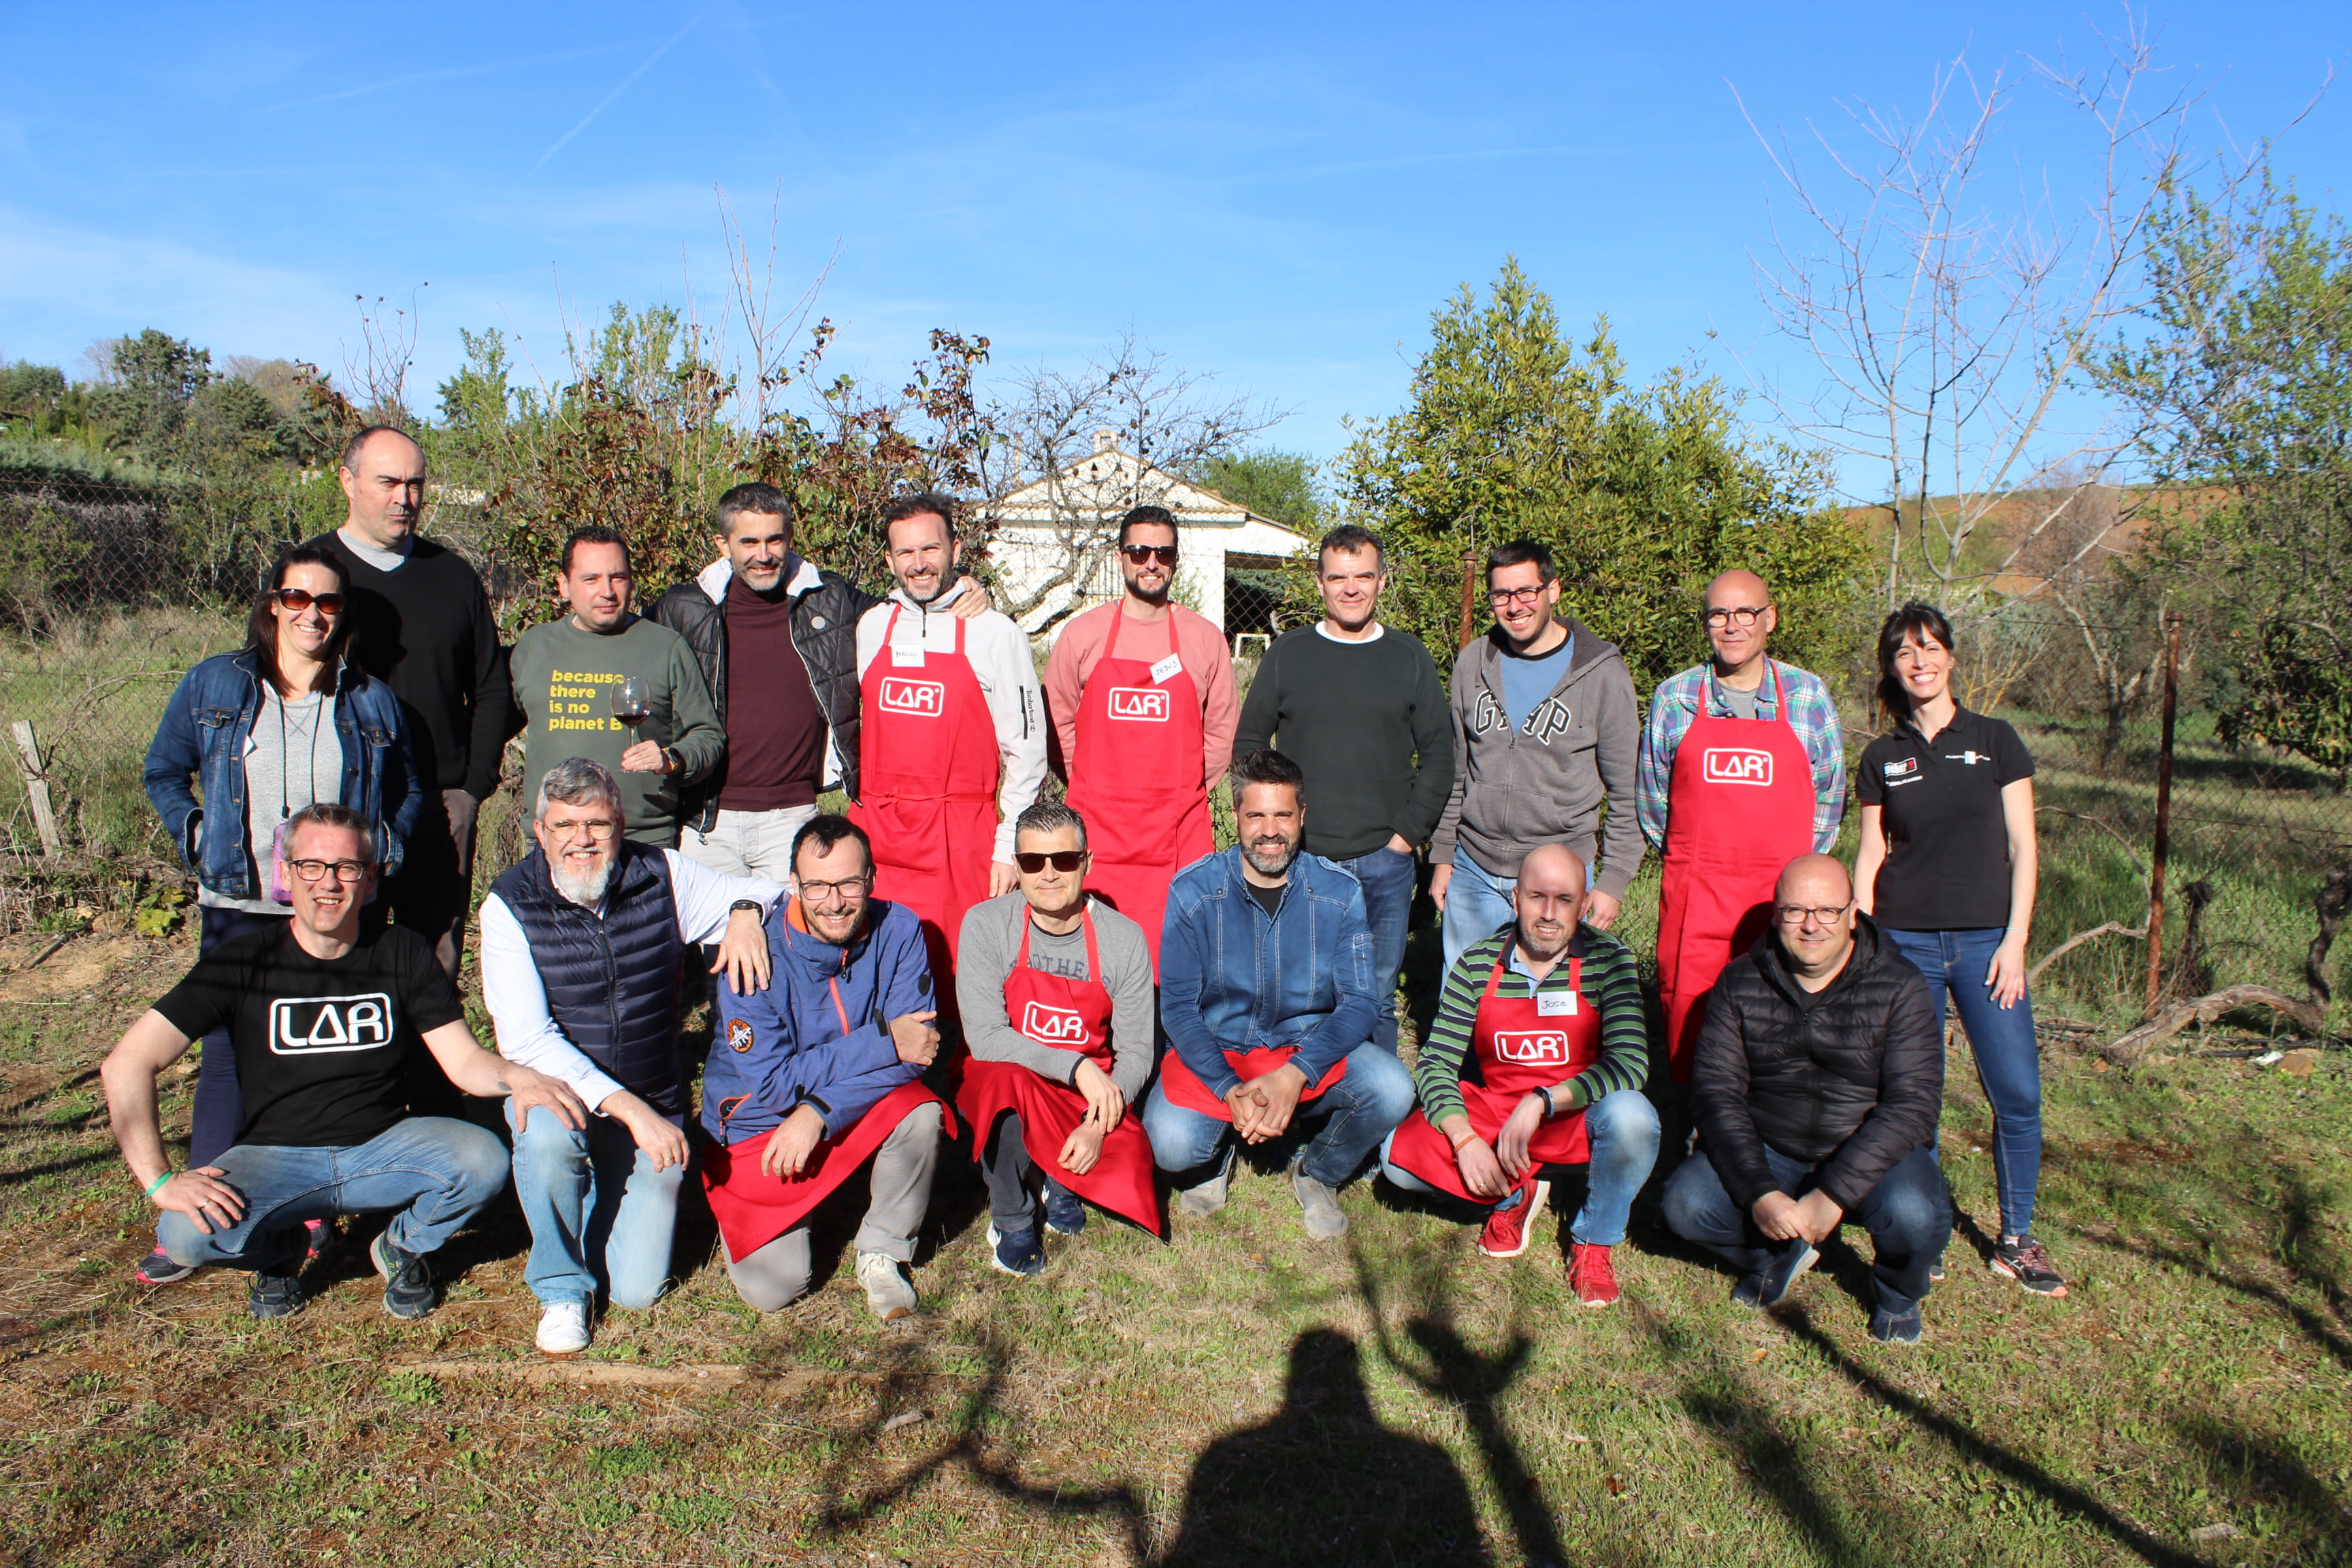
x: 887, y: 1292
x: 564, y: 1328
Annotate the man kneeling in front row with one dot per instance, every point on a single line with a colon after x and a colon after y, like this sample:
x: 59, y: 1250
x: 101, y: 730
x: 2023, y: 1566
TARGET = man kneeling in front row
x: 324, y: 1021
x: 1819, y: 1079
x: 1537, y: 1059
x: 819, y: 1076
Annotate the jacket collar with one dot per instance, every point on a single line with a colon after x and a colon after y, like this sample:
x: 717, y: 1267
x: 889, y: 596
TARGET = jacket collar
x: 947, y: 597
x: 800, y: 576
x: 1769, y: 956
x: 347, y: 674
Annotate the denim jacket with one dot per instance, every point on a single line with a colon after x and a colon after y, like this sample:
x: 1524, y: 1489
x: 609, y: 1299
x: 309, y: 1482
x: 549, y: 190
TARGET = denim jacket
x: 1233, y: 978
x: 203, y: 737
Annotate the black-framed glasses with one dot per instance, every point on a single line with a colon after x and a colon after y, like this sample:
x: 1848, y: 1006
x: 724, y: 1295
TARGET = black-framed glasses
x: 1137, y: 554
x: 1033, y: 861
x: 1797, y: 914
x: 300, y: 599
x: 1732, y: 615
x: 1498, y: 598
x: 847, y: 888
x: 316, y: 870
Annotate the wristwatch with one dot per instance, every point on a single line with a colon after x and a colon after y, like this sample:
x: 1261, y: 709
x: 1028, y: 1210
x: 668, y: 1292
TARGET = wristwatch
x: 754, y: 905
x: 671, y: 762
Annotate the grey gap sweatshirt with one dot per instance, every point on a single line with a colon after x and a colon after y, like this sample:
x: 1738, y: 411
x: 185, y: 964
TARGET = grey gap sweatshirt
x: 984, y: 956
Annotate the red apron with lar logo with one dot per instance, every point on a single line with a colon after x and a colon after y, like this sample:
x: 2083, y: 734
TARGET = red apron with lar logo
x: 1739, y: 807
x: 1136, y: 780
x: 929, y: 770
x: 1517, y: 1050
x: 1071, y: 1015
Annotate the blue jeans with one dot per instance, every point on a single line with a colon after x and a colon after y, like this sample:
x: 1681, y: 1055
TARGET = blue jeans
x: 1478, y: 905
x: 1908, y: 1216
x: 1623, y: 1127
x: 600, y: 1214
x: 1387, y: 878
x: 2009, y: 1058
x: 437, y: 1172
x: 1356, y: 1113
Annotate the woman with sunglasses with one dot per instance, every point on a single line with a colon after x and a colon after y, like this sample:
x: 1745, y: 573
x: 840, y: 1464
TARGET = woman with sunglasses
x: 263, y: 732
x: 1947, y: 868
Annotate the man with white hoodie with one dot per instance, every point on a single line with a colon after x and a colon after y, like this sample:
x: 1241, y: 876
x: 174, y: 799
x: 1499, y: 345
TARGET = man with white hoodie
x: 952, y: 733
x: 792, y: 733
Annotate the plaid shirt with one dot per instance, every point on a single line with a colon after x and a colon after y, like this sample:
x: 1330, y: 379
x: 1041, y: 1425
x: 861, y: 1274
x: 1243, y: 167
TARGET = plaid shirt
x: 1811, y: 714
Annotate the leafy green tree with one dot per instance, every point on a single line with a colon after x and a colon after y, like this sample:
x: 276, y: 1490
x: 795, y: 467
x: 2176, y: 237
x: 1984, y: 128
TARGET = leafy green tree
x: 1644, y: 493
x: 1279, y: 485
x: 156, y: 377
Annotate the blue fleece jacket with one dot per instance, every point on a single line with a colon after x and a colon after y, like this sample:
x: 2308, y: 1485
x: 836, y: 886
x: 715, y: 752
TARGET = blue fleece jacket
x: 775, y: 1049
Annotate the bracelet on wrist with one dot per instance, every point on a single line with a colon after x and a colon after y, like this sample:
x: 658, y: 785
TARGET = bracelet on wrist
x: 157, y: 1184
x: 1464, y: 1140
x: 1551, y: 1108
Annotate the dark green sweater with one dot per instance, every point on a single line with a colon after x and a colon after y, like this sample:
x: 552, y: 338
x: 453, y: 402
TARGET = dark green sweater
x: 1368, y: 724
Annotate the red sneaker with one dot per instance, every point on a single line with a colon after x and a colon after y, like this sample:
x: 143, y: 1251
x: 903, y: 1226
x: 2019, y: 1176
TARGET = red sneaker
x: 1592, y: 1275
x: 1505, y: 1231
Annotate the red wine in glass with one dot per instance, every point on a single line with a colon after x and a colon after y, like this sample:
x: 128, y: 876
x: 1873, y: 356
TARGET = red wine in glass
x: 631, y: 702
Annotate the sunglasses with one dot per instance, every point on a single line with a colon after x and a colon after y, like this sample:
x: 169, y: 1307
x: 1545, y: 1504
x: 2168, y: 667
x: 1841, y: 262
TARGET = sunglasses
x: 300, y: 599
x: 1139, y: 553
x: 1063, y: 859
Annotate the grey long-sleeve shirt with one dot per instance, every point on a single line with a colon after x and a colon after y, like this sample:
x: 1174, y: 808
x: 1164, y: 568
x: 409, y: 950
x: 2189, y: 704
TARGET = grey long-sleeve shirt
x: 984, y: 957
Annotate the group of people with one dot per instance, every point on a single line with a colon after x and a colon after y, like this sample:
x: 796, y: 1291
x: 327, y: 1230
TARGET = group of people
x: 1081, y: 995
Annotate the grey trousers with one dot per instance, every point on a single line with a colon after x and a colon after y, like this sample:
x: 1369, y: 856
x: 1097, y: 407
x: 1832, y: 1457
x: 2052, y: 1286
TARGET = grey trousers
x: 778, y: 1274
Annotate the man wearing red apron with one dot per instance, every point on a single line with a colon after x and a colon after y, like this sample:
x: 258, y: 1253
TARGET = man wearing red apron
x: 1143, y: 698
x: 1537, y: 1059
x: 1742, y: 769
x: 1057, y: 1014
x: 951, y: 742
x: 818, y: 1076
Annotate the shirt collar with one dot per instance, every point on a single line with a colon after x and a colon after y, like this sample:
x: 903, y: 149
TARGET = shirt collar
x: 1767, y: 695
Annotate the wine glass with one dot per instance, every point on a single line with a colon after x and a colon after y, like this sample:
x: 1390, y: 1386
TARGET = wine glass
x: 631, y: 702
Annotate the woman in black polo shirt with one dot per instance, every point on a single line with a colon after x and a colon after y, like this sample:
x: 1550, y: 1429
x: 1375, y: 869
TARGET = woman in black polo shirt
x: 1946, y: 869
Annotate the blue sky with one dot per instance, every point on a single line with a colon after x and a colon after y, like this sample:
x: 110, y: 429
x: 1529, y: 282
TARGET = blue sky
x: 1277, y: 195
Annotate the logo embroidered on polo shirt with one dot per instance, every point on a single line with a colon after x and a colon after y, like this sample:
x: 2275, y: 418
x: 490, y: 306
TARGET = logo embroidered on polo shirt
x: 924, y: 698
x: 1735, y: 764
x: 1896, y: 770
x: 1971, y: 757
x: 309, y: 1025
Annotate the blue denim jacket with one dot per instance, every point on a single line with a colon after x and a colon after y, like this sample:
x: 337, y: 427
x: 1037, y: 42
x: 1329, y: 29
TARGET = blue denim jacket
x: 1233, y: 978
x: 203, y: 737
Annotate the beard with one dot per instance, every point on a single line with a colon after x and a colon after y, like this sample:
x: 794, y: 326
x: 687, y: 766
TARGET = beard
x: 589, y: 891
x: 1276, y: 863
x: 1151, y: 595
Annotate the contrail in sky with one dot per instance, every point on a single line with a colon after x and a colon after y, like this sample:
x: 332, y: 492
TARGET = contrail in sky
x: 587, y: 119
x: 447, y: 73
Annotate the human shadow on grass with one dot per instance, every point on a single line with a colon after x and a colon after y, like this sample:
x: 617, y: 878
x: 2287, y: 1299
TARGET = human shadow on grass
x: 2241, y: 1464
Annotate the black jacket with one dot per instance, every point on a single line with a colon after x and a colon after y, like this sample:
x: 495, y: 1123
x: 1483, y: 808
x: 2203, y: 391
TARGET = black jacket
x: 1851, y: 1077
x: 825, y: 607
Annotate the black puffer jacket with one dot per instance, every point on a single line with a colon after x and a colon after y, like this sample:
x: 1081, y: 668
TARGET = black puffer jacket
x: 825, y: 632
x: 1852, y: 1074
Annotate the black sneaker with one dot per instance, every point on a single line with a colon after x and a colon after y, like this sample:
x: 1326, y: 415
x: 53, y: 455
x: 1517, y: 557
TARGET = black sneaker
x: 1065, y: 1212
x: 1766, y: 1290
x: 1015, y: 1251
x: 157, y: 1269
x: 274, y: 1295
x: 2027, y: 1261
x: 1889, y: 1330
x: 407, y: 1279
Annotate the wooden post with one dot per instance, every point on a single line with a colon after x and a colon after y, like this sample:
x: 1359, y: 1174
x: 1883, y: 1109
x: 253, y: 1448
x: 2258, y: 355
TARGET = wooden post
x: 1469, y: 577
x: 2163, y: 810
x: 36, y: 788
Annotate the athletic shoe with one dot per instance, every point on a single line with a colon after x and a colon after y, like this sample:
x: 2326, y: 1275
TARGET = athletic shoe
x: 1592, y: 1275
x: 2027, y: 1261
x: 407, y: 1277
x: 887, y: 1292
x: 321, y: 1236
x: 1889, y: 1330
x: 1504, y: 1234
x: 1936, y: 1272
x: 157, y: 1269
x: 1015, y: 1251
x: 1065, y: 1212
x: 564, y: 1328
x: 274, y: 1295
x: 1765, y: 1289
x: 1201, y: 1201
x: 1318, y: 1205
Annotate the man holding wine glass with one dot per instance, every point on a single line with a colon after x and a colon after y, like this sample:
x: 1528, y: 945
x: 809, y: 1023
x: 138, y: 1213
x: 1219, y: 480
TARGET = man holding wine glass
x: 616, y: 689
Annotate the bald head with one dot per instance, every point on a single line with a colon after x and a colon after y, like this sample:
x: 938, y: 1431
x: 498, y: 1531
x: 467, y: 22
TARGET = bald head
x: 1555, y: 866
x: 382, y: 476
x: 1738, y: 587
x: 1549, y: 901
x: 1814, y: 911
x: 1820, y: 880
x: 1740, y: 619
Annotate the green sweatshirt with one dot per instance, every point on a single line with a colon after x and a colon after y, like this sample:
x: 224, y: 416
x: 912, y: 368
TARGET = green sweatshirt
x: 1609, y: 985
x: 563, y: 679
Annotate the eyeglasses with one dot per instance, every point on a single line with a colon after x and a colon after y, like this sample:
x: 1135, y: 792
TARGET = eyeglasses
x: 1498, y: 598
x: 1139, y: 553
x: 847, y: 888
x: 300, y: 599
x: 1064, y: 860
x: 1797, y: 914
x: 1736, y: 615
x: 316, y: 870
x: 595, y: 829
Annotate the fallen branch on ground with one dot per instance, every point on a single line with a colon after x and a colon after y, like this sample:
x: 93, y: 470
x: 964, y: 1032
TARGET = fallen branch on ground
x: 629, y: 1375
x: 2114, y: 928
x: 2304, y: 1012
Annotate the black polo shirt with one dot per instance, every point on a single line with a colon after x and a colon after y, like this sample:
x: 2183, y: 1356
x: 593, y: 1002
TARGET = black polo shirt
x: 1947, y: 864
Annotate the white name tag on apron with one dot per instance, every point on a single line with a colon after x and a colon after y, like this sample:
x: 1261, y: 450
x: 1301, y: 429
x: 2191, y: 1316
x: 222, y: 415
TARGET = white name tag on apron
x: 1556, y: 1004
x: 1167, y: 669
x: 906, y: 658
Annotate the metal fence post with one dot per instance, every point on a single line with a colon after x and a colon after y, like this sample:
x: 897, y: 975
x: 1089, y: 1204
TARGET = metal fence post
x: 2163, y: 808
x: 1469, y: 572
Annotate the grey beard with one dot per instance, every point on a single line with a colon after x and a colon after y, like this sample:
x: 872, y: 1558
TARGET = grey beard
x: 1289, y: 858
x: 588, y: 891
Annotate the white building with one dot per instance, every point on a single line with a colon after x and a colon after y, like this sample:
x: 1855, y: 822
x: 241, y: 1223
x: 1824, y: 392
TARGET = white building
x: 1054, y: 541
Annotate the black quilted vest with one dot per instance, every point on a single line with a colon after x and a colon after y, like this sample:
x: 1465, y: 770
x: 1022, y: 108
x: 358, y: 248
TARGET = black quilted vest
x: 612, y: 984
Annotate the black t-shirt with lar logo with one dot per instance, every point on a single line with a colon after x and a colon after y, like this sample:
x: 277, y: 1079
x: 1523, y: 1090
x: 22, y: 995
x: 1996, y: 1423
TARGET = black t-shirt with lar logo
x: 322, y: 1043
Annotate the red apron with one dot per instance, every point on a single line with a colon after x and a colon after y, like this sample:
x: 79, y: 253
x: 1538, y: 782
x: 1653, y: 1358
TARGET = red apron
x: 1137, y: 780
x: 1517, y: 1050
x: 1183, y: 1086
x: 1739, y: 807
x: 753, y: 1208
x: 927, y: 772
x: 1071, y: 1015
